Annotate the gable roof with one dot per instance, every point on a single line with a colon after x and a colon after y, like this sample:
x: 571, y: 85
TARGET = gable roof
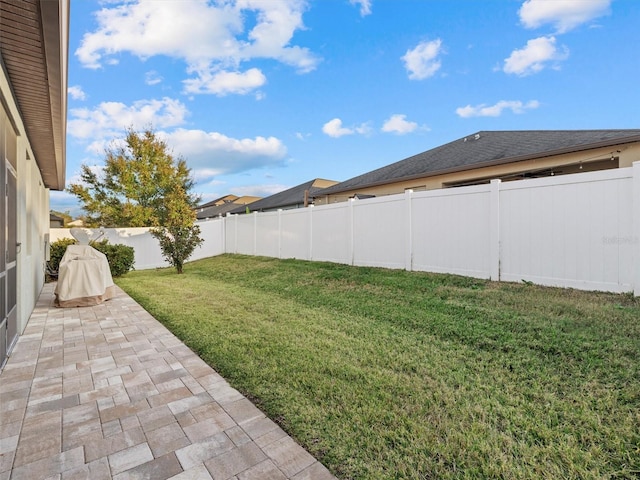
x: 292, y: 197
x: 226, y: 207
x: 55, y: 218
x: 487, y: 148
x: 216, y: 210
x: 219, y: 201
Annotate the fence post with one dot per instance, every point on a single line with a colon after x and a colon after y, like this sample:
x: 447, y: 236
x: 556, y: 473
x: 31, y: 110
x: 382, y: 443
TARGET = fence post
x: 494, y: 230
x: 635, y: 241
x: 279, y: 233
x: 255, y: 233
x: 408, y: 255
x: 310, y: 209
x: 235, y: 233
x: 351, y: 231
x: 224, y: 234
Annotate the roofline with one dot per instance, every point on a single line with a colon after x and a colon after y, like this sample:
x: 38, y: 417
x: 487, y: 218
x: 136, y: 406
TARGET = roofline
x: 493, y: 163
x: 41, y: 97
x: 57, y: 52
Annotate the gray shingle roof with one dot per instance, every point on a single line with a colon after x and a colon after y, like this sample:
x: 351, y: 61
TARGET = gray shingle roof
x: 217, y: 210
x: 212, y: 203
x: 288, y: 198
x: 487, y: 148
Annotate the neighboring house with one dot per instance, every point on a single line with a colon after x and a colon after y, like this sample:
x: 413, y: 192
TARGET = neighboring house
x: 55, y: 221
x: 221, y: 209
x: 216, y: 202
x: 76, y: 223
x: 505, y: 155
x: 33, y: 115
x: 295, y: 197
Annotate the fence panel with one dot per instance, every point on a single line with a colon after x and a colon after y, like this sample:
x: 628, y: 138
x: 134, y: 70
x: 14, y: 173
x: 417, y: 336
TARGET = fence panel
x: 451, y: 231
x: 295, y: 233
x: 212, y: 232
x: 331, y: 233
x: 267, y: 234
x: 230, y: 233
x: 380, y: 232
x: 245, y: 234
x: 569, y: 231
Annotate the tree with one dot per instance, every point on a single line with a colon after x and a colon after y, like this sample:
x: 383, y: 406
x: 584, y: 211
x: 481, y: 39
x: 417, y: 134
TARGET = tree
x: 143, y: 185
x: 178, y: 235
x: 130, y: 189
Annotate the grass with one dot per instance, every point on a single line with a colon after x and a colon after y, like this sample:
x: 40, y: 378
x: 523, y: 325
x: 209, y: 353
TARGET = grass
x: 391, y: 374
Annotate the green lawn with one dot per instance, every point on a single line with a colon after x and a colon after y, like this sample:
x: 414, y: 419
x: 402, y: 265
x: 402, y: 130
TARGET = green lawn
x: 391, y: 374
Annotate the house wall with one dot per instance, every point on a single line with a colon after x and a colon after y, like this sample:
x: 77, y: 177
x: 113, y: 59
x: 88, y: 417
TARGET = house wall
x: 33, y: 225
x: 595, y: 159
x: 580, y: 231
x: 32, y: 206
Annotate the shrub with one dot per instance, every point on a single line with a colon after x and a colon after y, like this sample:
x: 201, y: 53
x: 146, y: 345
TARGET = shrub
x: 177, y: 243
x: 120, y: 257
x: 57, y: 250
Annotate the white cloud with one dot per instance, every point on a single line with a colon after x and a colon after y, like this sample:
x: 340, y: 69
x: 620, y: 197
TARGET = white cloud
x: 204, y: 175
x: 399, y: 124
x: 365, y: 6
x: 62, y: 201
x: 77, y: 93
x: 210, y: 154
x: 422, y: 61
x: 210, y: 38
x: 260, y: 190
x: 209, y: 196
x: 223, y: 83
x: 482, y: 110
x: 110, y: 119
x: 535, y: 56
x: 334, y: 129
x: 152, y: 77
x: 62, y: 197
x: 302, y: 136
x: 564, y: 15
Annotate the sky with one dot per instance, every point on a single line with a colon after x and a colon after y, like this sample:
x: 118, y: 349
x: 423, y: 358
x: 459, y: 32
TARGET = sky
x: 258, y: 96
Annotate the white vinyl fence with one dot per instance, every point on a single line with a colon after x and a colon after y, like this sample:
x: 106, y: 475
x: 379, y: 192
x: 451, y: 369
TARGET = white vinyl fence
x: 580, y: 231
x: 146, y: 249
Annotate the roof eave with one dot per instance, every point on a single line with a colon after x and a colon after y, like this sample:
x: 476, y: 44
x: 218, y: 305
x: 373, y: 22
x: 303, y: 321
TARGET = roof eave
x: 493, y: 163
x: 55, y: 27
x: 41, y: 97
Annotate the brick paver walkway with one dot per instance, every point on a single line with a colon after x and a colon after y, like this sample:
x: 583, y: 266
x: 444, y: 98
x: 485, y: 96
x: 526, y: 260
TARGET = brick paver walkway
x: 108, y: 392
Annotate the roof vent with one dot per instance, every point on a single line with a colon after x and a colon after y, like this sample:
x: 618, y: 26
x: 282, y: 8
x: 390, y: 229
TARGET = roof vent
x: 477, y: 136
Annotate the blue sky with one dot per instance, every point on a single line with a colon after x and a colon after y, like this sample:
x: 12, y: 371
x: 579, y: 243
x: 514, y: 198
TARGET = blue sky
x: 262, y: 95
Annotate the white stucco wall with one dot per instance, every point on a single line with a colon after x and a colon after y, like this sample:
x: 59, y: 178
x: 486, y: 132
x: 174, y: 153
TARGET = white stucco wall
x: 32, y: 214
x: 33, y: 224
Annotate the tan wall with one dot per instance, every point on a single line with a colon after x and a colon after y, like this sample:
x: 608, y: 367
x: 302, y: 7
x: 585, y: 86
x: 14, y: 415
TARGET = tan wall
x: 322, y: 183
x: 597, y: 159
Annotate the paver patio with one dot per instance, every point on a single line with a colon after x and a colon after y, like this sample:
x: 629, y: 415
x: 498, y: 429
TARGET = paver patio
x: 108, y: 392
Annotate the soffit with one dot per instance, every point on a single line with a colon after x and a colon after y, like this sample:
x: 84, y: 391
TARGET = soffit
x: 33, y: 45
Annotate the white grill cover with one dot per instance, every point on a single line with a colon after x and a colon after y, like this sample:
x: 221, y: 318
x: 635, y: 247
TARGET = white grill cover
x: 84, y: 278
